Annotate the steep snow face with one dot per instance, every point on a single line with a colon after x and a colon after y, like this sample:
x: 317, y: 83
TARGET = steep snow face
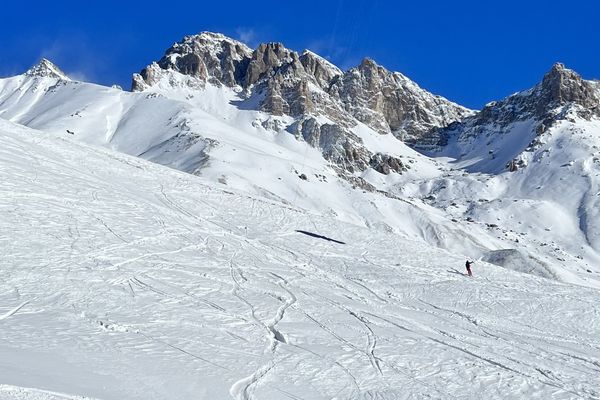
x: 558, y: 184
x: 119, y: 272
x: 136, y: 124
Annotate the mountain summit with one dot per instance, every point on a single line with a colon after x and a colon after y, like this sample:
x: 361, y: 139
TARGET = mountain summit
x: 562, y: 86
x: 47, y: 69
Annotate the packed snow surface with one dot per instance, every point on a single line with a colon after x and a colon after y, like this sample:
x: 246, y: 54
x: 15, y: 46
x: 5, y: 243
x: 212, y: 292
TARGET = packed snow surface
x: 123, y: 279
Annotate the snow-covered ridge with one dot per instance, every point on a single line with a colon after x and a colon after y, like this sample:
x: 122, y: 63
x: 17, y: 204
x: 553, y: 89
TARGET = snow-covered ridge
x: 561, y: 94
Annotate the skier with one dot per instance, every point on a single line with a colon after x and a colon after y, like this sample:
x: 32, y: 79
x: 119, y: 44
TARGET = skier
x: 468, y: 265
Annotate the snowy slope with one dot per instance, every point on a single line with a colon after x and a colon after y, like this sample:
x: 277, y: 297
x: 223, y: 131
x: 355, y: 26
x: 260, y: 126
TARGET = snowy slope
x: 204, y: 131
x: 488, y: 213
x: 529, y: 171
x: 125, y: 279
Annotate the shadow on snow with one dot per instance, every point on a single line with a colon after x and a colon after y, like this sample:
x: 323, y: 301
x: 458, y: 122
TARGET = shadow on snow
x: 319, y: 236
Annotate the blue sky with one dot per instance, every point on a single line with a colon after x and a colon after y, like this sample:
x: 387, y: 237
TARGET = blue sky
x: 469, y: 51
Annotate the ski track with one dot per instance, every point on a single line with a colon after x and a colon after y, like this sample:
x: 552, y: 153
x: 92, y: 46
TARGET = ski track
x: 13, y: 311
x: 152, y: 271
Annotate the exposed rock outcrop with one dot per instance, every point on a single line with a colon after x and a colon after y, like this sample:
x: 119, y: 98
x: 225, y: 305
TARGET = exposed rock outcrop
x: 390, y: 102
x: 295, y: 85
x: 385, y: 164
x: 559, y: 87
x: 340, y: 146
x: 208, y: 56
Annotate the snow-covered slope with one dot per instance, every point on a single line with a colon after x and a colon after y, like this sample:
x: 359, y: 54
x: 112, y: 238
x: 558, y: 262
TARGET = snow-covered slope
x: 204, y: 131
x: 533, y: 163
x: 123, y: 279
x: 533, y: 221
x: 131, y: 123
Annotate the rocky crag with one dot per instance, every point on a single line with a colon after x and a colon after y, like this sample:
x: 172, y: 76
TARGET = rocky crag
x: 325, y: 102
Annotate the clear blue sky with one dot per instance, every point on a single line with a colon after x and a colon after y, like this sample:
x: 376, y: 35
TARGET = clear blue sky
x: 469, y: 51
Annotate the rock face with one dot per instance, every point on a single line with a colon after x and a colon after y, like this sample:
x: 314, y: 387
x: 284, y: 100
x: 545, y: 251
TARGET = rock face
x: 209, y: 57
x: 338, y: 145
x: 47, y: 69
x: 562, y: 86
x: 322, y: 70
x: 304, y: 86
x: 385, y: 164
x: 390, y: 102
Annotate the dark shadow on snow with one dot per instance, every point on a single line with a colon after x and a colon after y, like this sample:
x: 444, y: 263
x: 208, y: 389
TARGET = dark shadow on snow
x: 319, y: 236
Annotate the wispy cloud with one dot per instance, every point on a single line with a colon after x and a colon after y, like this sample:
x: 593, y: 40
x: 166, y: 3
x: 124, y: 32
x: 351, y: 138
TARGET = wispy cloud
x: 75, y: 55
x: 247, y: 35
x: 342, y: 56
x: 325, y: 48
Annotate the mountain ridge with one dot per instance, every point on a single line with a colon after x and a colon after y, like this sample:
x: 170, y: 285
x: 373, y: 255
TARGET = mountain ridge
x: 303, y: 84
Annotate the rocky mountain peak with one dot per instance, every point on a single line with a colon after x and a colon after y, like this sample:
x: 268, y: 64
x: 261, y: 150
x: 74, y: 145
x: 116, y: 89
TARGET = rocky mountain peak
x: 207, y: 56
x: 47, y: 69
x: 561, y: 86
x: 266, y: 59
x: 367, y: 64
x: 562, y: 95
x: 280, y: 81
x: 391, y: 103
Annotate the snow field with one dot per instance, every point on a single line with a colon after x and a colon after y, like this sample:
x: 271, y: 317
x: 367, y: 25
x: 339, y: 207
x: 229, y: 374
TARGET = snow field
x: 126, y: 279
